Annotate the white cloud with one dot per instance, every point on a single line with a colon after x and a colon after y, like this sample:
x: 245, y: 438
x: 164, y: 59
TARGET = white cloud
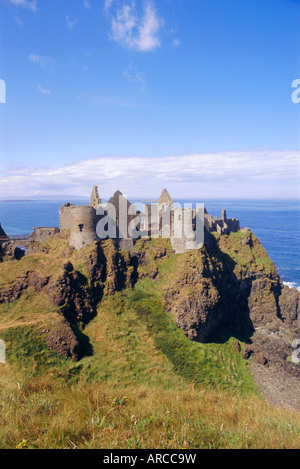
x: 131, y: 29
x: 71, y: 23
x: 43, y: 90
x: 28, y: 4
x: 148, y: 29
x: 43, y: 60
x: 236, y: 174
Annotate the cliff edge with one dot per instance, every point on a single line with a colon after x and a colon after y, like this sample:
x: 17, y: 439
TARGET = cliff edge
x: 227, y: 289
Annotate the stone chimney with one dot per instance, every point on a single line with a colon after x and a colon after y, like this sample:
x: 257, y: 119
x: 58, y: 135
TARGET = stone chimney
x: 95, y: 200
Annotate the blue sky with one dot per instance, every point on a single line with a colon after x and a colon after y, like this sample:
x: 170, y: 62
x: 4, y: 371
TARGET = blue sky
x: 192, y: 95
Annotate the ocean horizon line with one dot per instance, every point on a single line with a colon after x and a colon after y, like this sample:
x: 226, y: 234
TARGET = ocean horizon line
x: 184, y: 199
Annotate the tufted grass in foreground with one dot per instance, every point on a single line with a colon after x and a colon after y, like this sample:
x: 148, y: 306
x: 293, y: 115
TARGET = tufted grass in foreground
x: 51, y: 413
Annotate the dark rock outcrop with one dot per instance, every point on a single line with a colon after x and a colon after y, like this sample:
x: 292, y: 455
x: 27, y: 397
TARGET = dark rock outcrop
x: 12, y: 292
x: 63, y: 341
x: 232, y: 288
x: 73, y: 298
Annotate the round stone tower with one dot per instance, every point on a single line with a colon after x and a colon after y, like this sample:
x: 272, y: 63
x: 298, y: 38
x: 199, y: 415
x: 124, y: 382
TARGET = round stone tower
x: 83, y: 226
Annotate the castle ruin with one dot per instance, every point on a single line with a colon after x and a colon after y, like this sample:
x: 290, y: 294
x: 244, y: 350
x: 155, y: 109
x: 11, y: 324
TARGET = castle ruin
x: 121, y: 220
x: 126, y: 223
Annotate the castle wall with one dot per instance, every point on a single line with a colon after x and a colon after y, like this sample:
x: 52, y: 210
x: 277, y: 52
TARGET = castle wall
x: 14, y: 247
x: 150, y: 226
x: 221, y: 225
x: 83, y: 226
x: 186, y: 232
x: 41, y: 234
x: 233, y: 225
x: 65, y: 216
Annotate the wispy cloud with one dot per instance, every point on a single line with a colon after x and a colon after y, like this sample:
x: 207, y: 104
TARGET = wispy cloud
x: 71, y: 23
x: 28, y: 4
x: 18, y: 20
x: 87, y: 4
x: 134, y: 75
x: 139, y: 31
x: 237, y: 174
x: 43, y: 60
x: 107, y: 5
x: 43, y: 90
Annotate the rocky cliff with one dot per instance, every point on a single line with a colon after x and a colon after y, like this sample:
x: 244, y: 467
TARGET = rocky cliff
x: 228, y: 288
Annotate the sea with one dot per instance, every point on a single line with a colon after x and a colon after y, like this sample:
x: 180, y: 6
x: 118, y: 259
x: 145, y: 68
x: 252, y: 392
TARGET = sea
x: 275, y: 223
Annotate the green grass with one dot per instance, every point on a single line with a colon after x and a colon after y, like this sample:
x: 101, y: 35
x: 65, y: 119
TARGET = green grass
x: 124, y: 353
x: 26, y: 350
x: 47, y: 413
x: 145, y: 384
x: 217, y: 365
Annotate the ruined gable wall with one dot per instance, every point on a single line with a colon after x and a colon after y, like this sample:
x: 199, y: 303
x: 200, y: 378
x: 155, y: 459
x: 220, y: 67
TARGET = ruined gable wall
x: 233, y: 225
x: 41, y: 234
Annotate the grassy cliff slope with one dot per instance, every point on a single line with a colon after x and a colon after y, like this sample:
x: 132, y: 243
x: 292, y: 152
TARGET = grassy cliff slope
x: 99, y: 351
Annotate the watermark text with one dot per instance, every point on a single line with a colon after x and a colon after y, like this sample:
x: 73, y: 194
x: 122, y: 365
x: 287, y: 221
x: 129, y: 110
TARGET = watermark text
x: 295, y: 358
x: 2, y: 91
x: 2, y: 351
x: 174, y: 221
x: 296, y: 92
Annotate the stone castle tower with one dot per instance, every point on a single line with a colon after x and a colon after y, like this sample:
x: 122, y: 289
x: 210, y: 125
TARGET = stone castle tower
x: 83, y: 225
